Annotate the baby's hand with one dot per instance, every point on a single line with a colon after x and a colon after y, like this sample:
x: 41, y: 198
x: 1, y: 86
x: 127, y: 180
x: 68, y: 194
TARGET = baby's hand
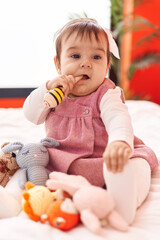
x: 116, y: 155
x: 66, y: 81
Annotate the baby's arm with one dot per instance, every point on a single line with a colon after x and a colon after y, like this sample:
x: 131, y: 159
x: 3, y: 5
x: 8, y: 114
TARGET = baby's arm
x: 34, y: 108
x: 118, y: 125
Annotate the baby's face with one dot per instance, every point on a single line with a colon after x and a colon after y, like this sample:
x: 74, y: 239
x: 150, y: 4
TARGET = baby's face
x: 87, y: 58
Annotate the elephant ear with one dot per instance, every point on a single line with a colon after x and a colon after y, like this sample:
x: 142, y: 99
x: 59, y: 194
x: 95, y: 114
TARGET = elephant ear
x: 12, y: 147
x: 49, y: 142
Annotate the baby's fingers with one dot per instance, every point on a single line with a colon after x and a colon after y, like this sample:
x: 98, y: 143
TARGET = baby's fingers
x: 113, y: 160
x: 123, y: 156
x: 120, y: 160
x: 65, y: 84
x: 106, y: 158
x: 110, y: 159
x: 68, y: 84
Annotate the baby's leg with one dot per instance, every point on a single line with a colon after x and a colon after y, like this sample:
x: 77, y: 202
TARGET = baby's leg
x: 10, y: 198
x: 130, y: 187
x: 90, y: 168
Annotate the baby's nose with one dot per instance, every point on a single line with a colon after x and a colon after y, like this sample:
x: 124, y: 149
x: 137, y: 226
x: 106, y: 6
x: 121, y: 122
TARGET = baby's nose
x: 35, y: 155
x: 86, y: 64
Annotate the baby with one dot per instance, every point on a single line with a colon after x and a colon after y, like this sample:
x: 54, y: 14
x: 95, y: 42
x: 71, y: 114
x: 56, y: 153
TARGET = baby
x: 92, y: 122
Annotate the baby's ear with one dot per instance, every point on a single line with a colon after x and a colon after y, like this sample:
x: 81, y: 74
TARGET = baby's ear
x: 57, y: 65
x: 49, y: 142
x: 12, y: 147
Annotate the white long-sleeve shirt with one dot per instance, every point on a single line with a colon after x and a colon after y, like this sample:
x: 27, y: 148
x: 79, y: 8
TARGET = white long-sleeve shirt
x: 114, y: 113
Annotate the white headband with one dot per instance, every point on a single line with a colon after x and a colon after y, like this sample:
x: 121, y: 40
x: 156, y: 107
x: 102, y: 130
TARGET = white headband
x: 112, y: 44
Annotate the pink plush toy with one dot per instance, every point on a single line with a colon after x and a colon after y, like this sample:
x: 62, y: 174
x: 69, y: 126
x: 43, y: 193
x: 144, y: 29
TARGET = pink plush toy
x: 95, y: 205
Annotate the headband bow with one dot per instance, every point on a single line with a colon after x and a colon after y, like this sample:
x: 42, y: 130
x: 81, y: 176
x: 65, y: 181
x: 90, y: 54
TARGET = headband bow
x: 112, y: 44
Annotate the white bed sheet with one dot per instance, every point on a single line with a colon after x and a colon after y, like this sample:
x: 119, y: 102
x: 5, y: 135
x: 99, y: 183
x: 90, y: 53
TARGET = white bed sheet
x: 146, y: 122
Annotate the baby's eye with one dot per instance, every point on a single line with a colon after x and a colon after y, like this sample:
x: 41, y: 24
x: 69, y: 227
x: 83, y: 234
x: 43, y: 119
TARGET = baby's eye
x: 75, y: 56
x: 25, y: 153
x: 96, y: 57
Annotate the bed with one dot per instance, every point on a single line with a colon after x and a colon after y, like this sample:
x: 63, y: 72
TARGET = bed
x: 146, y: 122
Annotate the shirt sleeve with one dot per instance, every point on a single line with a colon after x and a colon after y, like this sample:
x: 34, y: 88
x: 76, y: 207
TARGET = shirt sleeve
x: 115, y: 116
x: 34, y: 108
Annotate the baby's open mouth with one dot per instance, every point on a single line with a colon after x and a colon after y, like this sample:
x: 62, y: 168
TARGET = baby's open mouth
x: 85, y: 77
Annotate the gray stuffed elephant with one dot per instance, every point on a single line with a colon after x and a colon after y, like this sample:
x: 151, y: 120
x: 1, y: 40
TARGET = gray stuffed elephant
x: 32, y: 158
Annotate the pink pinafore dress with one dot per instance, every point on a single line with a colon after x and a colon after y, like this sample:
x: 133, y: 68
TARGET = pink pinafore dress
x: 77, y: 125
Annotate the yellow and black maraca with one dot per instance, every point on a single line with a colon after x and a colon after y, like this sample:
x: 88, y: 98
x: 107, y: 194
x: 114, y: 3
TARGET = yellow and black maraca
x: 54, y: 97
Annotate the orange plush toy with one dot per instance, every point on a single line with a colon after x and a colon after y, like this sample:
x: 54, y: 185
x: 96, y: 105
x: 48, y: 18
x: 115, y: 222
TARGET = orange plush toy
x: 39, y: 203
x: 36, y: 200
x: 62, y: 214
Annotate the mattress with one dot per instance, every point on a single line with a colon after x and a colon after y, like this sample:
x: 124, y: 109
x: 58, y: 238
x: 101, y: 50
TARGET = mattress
x: 145, y: 117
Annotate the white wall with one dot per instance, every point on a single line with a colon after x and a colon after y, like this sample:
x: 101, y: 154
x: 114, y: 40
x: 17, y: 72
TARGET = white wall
x: 26, y: 36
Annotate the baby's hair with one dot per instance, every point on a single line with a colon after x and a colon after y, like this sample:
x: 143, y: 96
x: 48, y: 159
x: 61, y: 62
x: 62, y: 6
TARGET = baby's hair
x: 83, y: 26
